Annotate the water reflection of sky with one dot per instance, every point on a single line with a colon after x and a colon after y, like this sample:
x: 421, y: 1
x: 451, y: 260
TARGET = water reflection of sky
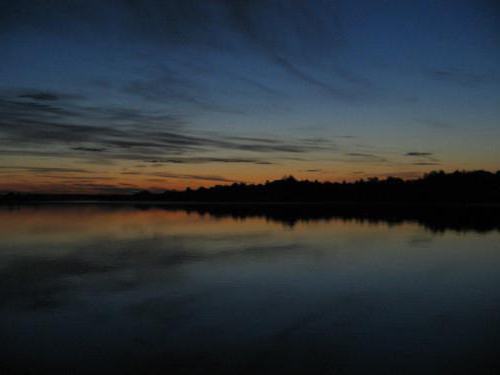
x: 122, y: 290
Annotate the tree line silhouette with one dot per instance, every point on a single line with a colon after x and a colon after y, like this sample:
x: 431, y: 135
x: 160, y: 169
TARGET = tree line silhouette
x: 437, y: 186
x: 434, y: 187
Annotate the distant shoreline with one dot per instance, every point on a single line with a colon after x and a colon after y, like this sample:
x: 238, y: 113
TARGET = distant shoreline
x: 437, y: 188
x: 325, y: 204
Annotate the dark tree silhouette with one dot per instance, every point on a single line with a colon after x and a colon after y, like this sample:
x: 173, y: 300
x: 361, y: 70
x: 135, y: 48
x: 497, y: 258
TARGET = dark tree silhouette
x: 436, y: 187
x: 439, y: 201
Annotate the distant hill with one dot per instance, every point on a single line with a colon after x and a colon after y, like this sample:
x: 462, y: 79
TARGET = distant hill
x: 436, y: 187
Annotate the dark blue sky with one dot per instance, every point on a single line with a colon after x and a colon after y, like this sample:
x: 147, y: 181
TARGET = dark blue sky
x: 114, y: 95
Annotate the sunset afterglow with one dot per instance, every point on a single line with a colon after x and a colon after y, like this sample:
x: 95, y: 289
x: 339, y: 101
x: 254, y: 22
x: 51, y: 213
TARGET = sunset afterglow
x: 112, y: 97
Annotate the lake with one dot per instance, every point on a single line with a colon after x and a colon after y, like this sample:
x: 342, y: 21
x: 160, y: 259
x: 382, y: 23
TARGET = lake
x: 125, y: 290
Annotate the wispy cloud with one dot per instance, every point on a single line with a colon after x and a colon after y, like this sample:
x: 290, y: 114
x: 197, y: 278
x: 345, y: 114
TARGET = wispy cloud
x: 181, y: 176
x: 43, y: 169
x: 416, y: 153
x: 426, y: 163
x: 204, y: 160
x: 45, y: 96
x: 89, y: 149
x: 365, y: 157
x: 303, y: 40
x: 422, y: 158
x: 39, y: 127
x: 463, y: 77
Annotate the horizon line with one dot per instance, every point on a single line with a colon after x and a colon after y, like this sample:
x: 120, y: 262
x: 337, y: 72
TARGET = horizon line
x: 134, y: 191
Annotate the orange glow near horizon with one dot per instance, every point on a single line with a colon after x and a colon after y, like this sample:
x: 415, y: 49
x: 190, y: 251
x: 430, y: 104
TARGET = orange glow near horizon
x: 49, y: 175
x: 102, y: 182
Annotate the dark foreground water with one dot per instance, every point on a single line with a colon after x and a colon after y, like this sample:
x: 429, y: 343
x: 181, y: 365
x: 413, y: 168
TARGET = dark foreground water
x: 117, y: 290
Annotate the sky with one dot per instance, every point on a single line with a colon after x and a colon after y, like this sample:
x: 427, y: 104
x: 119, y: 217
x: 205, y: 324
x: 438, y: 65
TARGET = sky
x: 115, y: 96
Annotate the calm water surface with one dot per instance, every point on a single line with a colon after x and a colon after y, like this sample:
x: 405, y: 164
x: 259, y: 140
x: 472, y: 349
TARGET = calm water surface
x: 87, y: 289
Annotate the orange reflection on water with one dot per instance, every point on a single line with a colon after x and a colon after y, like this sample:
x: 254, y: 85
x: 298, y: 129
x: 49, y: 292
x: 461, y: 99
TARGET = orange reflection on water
x: 75, y: 223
